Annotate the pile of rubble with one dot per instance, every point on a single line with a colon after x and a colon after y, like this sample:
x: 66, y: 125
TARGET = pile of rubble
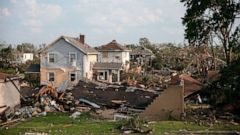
x: 113, y: 96
x: 84, y: 97
x: 47, y: 100
x: 207, y: 116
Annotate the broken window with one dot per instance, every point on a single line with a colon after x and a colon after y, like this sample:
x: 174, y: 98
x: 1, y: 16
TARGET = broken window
x: 51, y: 58
x: 72, y: 77
x: 51, y: 77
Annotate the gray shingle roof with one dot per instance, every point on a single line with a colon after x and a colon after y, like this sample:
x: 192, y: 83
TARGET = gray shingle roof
x: 106, y: 65
x: 33, y: 68
x: 141, y: 50
x: 84, y: 47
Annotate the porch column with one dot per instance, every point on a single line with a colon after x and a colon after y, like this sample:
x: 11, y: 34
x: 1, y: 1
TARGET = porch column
x: 110, y: 76
x: 118, y: 75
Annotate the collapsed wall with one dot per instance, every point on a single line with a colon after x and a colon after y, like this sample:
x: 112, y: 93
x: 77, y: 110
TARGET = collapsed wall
x: 168, y: 105
x: 9, y: 95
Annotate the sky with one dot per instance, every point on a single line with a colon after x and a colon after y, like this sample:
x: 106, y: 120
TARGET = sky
x: 101, y: 21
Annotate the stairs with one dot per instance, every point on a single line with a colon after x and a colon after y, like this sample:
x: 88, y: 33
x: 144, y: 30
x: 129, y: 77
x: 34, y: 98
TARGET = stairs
x: 169, y: 104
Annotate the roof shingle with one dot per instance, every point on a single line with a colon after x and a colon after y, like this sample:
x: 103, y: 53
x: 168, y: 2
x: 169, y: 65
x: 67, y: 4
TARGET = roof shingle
x: 84, y: 47
x: 33, y: 68
x: 113, y: 46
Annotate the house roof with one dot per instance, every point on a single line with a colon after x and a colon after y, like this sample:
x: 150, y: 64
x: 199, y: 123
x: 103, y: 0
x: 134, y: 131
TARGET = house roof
x: 141, y: 50
x: 106, y: 65
x: 191, y: 85
x: 213, y: 75
x: 113, y: 46
x: 85, y: 48
x: 33, y: 68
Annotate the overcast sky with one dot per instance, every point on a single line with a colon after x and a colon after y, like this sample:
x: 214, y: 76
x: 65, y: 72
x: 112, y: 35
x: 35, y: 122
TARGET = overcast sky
x: 42, y: 21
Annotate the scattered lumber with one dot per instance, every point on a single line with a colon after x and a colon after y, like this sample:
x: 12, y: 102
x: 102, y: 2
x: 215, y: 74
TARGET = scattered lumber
x: 90, y: 103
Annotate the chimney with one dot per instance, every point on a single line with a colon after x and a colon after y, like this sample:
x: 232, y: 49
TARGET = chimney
x: 114, y: 41
x: 82, y: 39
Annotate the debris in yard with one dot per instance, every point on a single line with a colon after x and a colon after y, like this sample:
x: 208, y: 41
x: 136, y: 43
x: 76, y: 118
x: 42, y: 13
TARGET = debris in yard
x: 36, y: 134
x: 6, y: 124
x: 120, y: 117
x: 90, y: 103
x: 75, y: 115
x: 207, y: 116
x: 207, y: 132
x: 104, y: 98
x: 136, y: 125
x: 119, y: 101
x: 48, y: 90
x: 130, y: 89
x: 3, y: 110
x: 67, y: 125
x: 83, y: 108
x: 108, y: 113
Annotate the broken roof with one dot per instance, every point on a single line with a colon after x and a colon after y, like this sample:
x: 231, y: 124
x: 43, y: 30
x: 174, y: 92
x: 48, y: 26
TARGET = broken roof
x: 191, y: 85
x: 106, y: 65
x: 85, y: 48
x: 104, y: 96
x: 213, y: 75
x: 113, y: 46
x: 141, y: 50
x: 33, y: 68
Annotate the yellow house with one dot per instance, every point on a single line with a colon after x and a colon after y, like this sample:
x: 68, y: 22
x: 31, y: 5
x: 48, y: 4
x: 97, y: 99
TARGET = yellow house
x: 67, y: 60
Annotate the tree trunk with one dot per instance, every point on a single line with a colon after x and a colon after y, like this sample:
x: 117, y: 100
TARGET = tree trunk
x: 213, y: 54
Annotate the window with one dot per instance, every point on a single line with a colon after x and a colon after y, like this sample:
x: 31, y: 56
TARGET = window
x: 101, y: 75
x: 105, y: 54
x: 51, y: 58
x: 51, y: 77
x: 72, y: 77
x: 72, y: 57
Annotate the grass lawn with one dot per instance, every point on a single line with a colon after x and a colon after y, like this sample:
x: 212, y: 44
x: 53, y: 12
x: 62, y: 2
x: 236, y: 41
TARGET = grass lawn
x: 61, y: 124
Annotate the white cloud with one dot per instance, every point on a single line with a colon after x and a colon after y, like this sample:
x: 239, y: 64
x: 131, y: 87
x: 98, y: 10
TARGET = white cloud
x: 4, y: 12
x: 125, y: 14
x: 39, y: 14
x: 13, y: 1
x: 124, y: 20
x: 34, y: 25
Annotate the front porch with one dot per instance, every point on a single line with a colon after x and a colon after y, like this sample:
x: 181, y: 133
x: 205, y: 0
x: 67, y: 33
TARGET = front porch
x: 107, y: 72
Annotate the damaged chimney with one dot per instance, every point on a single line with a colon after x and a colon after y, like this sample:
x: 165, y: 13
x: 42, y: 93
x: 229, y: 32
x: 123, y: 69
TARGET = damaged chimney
x: 82, y: 39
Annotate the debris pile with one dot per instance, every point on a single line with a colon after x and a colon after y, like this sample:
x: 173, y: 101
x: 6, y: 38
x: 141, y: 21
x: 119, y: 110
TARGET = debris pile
x: 85, y: 96
x: 47, y: 100
x: 113, y: 96
x: 136, y: 125
x: 207, y: 116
